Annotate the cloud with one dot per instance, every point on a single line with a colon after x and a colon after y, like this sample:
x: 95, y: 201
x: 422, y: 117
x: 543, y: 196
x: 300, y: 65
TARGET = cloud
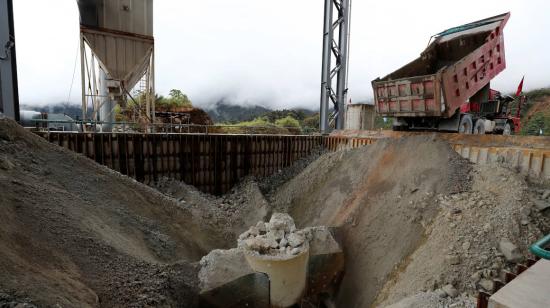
x: 269, y: 52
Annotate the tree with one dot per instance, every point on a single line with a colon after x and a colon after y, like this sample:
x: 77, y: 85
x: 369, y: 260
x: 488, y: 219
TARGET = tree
x: 539, y: 122
x: 288, y: 121
x: 178, y: 99
x: 312, y: 122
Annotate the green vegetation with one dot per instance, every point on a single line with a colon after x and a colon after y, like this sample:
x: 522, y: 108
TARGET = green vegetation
x: 533, y: 97
x: 382, y: 123
x: 311, y: 123
x: 533, y: 118
x: 539, y: 122
x: 258, y: 122
x: 176, y: 99
x: 119, y: 117
x: 288, y: 121
x: 538, y: 93
x: 264, y: 121
x: 297, y: 120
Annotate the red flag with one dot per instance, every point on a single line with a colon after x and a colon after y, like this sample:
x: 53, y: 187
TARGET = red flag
x: 520, y: 87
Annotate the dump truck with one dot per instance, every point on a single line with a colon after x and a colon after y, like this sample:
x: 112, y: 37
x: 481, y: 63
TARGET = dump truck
x: 448, y: 87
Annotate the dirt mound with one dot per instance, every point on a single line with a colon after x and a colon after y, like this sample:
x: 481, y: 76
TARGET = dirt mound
x: 75, y: 233
x: 230, y: 214
x: 382, y: 196
x: 419, y: 224
x: 415, y: 217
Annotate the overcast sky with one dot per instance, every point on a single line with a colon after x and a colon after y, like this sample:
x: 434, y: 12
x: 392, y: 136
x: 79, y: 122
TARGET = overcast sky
x: 269, y: 52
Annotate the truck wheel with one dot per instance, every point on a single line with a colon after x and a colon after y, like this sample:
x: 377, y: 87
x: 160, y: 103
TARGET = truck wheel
x: 508, y: 129
x: 479, y: 128
x: 466, y: 124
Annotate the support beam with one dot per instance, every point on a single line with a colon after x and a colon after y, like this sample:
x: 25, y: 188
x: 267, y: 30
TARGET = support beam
x: 9, y: 93
x: 335, y: 46
x: 83, y: 79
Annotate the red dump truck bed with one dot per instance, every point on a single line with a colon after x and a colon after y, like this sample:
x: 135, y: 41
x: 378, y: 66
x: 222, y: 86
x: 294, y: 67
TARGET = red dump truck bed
x: 457, y: 64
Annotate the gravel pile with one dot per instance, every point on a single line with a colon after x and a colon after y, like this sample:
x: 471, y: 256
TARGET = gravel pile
x: 76, y: 234
x: 229, y: 215
x: 435, y: 300
x: 476, y: 236
x: 269, y: 185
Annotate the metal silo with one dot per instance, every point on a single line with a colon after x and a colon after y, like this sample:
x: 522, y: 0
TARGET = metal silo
x: 117, y: 51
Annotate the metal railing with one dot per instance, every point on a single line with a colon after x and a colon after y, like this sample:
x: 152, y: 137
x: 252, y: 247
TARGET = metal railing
x: 135, y: 127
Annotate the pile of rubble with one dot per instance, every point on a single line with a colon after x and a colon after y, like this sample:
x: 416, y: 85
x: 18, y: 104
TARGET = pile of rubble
x: 477, y: 236
x: 278, y: 237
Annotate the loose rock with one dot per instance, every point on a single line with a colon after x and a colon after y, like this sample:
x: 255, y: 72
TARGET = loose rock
x: 450, y: 290
x: 510, y: 251
x: 487, y: 284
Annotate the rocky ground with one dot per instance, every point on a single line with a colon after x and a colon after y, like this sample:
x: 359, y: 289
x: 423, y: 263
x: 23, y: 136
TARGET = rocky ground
x: 476, y: 236
x: 420, y: 226
x: 75, y: 234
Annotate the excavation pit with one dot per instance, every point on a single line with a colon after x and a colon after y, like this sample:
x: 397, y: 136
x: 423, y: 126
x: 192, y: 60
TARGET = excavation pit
x: 409, y: 214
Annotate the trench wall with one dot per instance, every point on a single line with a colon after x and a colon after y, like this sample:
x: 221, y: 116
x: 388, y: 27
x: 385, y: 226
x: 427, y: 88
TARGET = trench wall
x: 212, y: 163
x: 529, y: 155
x: 215, y: 163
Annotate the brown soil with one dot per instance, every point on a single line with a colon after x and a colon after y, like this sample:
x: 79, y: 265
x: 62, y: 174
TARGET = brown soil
x: 541, y: 105
x: 406, y: 206
x: 75, y: 233
x: 368, y: 192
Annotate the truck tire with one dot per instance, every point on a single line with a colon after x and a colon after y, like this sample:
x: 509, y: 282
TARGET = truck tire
x: 508, y: 129
x: 479, y: 127
x: 466, y: 124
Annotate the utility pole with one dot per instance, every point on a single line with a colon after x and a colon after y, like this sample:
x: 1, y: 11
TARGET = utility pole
x: 9, y: 94
x: 335, y: 47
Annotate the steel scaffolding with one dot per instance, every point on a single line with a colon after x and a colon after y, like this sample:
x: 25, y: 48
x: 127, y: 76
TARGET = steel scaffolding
x: 335, y: 47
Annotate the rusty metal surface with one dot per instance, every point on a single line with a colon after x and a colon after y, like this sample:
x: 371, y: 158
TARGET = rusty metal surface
x: 414, y: 96
x: 212, y: 163
x: 424, y: 87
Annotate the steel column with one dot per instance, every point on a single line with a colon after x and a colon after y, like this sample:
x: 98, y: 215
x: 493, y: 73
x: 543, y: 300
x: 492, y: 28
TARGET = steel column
x: 83, y: 79
x: 339, y: 49
x: 342, y: 81
x: 9, y: 95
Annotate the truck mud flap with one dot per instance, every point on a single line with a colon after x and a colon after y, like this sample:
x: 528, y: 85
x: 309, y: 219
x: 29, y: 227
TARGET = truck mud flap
x: 450, y: 124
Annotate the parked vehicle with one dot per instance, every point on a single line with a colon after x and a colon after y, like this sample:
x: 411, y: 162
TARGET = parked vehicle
x: 448, y: 87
